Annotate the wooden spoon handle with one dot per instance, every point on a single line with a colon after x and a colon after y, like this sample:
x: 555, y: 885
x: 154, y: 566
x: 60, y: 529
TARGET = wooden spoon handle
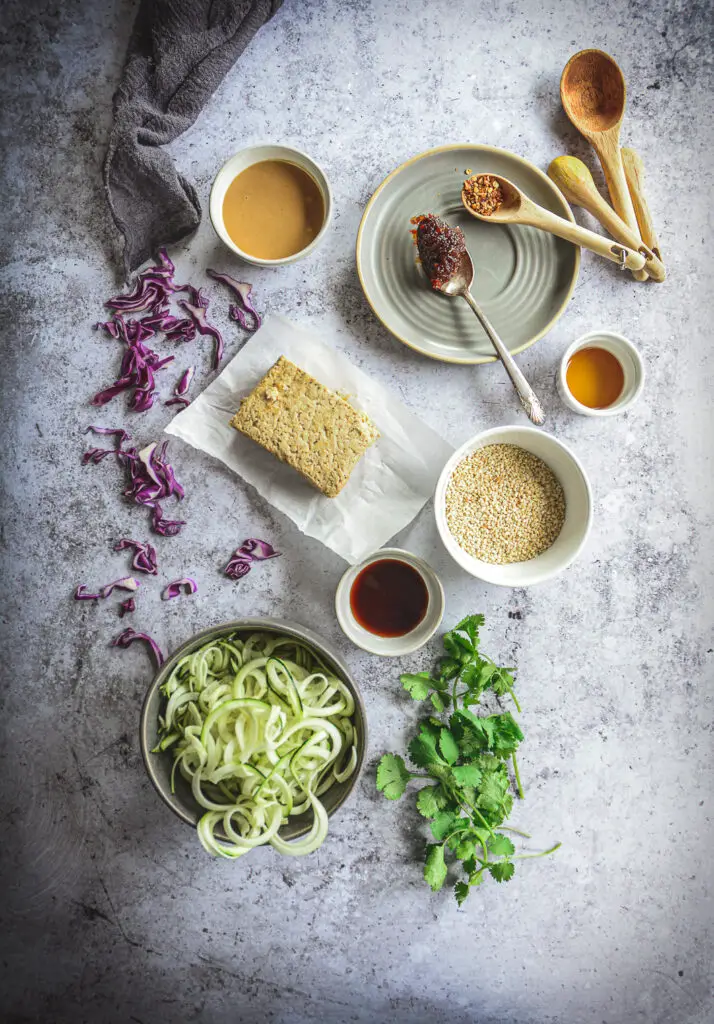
x: 539, y: 217
x: 591, y: 200
x: 633, y: 175
x: 607, y: 147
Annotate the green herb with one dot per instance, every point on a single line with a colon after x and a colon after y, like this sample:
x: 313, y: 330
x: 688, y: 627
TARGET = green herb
x: 466, y: 758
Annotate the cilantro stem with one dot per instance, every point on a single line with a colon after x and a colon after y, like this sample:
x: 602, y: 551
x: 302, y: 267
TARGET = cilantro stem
x: 518, y: 777
x: 481, y: 818
x: 507, y: 828
x: 515, y: 700
x: 532, y: 856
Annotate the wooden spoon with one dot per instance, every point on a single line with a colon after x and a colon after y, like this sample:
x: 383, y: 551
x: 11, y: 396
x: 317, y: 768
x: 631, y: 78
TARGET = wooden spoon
x: 593, y: 94
x: 576, y: 183
x: 635, y: 173
x: 517, y: 208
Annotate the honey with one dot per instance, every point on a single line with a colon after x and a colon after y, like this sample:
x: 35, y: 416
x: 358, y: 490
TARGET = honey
x: 595, y: 377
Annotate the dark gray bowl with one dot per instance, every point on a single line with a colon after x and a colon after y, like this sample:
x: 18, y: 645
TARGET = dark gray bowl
x: 159, y: 765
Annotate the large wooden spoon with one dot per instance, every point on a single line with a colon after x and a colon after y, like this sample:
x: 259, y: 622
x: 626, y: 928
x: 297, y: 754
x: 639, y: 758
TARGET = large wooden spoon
x: 575, y: 181
x: 593, y: 94
x: 517, y: 208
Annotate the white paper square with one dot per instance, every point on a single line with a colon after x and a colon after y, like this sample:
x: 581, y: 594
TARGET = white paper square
x: 389, y: 485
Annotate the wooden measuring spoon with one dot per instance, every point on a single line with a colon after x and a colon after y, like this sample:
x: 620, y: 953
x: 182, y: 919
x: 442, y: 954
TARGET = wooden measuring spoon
x: 517, y: 208
x: 576, y: 183
x: 635, y: 173
x: 593, y: 94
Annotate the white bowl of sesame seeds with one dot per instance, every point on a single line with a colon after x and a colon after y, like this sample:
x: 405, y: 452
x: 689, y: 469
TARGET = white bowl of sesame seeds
x: 513, y: 506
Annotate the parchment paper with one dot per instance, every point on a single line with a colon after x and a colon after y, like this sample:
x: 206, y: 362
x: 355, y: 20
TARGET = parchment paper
x: 392, y: 480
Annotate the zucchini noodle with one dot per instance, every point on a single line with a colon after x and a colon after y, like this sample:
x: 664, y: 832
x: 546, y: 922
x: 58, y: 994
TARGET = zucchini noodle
x: 260, y: 729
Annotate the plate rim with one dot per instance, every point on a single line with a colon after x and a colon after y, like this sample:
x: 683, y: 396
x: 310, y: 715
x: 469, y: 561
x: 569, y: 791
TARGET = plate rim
x: 476, y: 146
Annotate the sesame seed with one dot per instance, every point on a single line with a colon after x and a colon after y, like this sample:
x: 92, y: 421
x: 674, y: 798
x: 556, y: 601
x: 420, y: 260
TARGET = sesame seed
x: 504, y: 504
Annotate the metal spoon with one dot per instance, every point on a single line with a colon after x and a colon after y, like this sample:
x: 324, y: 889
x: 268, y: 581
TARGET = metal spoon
x: 459, y: 284
x: 517, y: 208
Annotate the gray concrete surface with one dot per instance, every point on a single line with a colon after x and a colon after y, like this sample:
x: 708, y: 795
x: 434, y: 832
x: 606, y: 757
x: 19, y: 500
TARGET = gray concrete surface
x: 110, y: 910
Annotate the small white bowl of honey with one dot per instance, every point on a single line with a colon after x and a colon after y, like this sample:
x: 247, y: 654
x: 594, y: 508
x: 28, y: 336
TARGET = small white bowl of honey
x: 271, y: 205
x: 601, y: 374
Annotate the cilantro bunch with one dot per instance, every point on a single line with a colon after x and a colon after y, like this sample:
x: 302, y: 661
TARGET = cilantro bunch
x: 467, y: 758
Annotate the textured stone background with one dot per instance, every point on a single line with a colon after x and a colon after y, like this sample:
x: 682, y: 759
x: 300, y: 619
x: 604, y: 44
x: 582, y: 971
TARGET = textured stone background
x: 110, y: 910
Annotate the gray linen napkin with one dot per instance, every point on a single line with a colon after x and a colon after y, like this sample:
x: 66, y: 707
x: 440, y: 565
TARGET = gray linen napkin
x: 179, y: 52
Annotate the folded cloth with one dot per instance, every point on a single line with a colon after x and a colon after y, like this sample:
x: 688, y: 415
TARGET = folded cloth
x: 179, y: 52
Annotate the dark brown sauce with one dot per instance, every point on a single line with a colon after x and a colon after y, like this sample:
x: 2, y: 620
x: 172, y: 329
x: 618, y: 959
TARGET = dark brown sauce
x: 389, y: 598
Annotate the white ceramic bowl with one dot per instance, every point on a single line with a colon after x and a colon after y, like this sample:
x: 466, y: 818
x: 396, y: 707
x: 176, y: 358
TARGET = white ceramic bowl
x: 627, y: 356
x: 391, y: 646
x: 253, y: 155
x: 578, y: 508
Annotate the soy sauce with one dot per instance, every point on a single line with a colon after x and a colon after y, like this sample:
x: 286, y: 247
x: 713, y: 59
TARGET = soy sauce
x: 389, y: 598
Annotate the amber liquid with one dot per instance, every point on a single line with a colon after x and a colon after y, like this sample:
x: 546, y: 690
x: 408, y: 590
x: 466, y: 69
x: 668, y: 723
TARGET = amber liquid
x: 273, y: 209
x: 389, y: 598
x: 595, y: 377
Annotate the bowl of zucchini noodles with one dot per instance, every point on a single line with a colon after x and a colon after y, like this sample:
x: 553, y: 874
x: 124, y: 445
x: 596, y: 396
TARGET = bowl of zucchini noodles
x: 254, y: 732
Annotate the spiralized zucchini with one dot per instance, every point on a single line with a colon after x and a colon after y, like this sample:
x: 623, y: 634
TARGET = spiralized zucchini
x: 261, y: 729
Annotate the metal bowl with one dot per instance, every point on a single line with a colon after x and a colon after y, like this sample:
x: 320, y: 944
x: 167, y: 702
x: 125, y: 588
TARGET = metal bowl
x: 159, y: 765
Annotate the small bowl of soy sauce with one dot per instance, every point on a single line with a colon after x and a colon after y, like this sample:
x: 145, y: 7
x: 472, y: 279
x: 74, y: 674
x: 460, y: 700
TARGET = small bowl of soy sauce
x: 391, y: 603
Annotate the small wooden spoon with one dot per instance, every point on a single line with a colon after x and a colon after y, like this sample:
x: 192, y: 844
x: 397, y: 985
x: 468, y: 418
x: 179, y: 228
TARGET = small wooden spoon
x: 635, y: 173
x: 517, y: 208
x: 576, y: 183
x: 593, y: 94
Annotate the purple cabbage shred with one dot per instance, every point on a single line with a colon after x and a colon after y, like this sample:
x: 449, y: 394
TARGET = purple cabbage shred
x: 251, y: 550
x: 127, y: 606
x: 243, y: 290
x: 144, y: 559
x: 177, y: 587
x: 197, y: 312
x: 128, y: 637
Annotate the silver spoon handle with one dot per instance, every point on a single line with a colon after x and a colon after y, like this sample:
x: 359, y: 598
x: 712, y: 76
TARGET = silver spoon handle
x: 528, y: 397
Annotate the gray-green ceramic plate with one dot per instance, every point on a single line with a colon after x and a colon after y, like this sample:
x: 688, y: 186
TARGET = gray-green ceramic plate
x: 159, y: 765
x: 524, y: 277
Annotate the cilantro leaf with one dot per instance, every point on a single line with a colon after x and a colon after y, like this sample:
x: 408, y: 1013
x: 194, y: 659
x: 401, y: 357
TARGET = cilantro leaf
x: 422, y: 749
x: 501, y: 870
x: 506, y: 734
x: 435, y: 866
x: 465, y: 848
x: 448, y: 746
x: 457, y: 645
x: 471, y: 625
x: 476, y: 877
x: 392, y: 776
x: 467, y: 774
x: 439, y: 700
x: 428, y: 801
x: 500, y: 845
x: 461, y: 891
x: 492, y: 791
x: 446, y: 822
x: 417, y: 685
x: 502, y: 682
x: 449, y: 668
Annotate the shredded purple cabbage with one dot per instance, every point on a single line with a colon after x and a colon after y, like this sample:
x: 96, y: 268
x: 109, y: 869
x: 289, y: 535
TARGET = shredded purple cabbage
x: 251, y: 550
x: 124, y: 435
x: 95, y: 455
x: 185, y: 382
x: 256, y: 549
x: 178, y: 400
x: 125, y: 583
x: 81, y: 594
x: 178, y: 587
x: 144, y: 559
x: 151, y: 479
x: 197, y: 313
x: 243, y: 290
x: 130, y: 635
x: 237, y: 567
x: 127, y: 606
